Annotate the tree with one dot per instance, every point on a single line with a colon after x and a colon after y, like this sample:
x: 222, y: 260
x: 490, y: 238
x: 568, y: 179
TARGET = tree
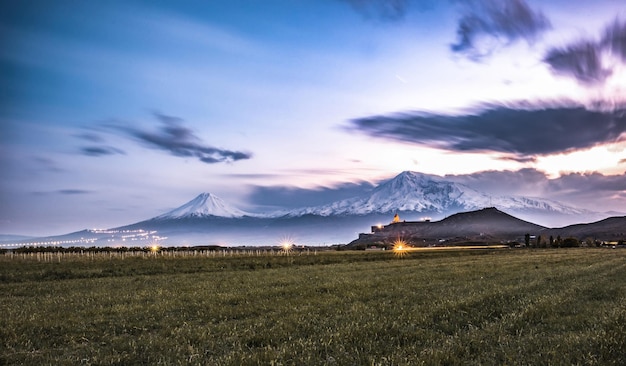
x: 570, y: 243
x: 527, y: 240
x: 551, y: 241
x: 538, y: 241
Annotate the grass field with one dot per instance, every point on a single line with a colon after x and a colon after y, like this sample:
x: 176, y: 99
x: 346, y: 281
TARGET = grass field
x: 565, y: 306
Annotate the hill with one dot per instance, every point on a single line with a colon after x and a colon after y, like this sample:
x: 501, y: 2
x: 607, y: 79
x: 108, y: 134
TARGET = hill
x: 610, y: 229
x: 486, y: 225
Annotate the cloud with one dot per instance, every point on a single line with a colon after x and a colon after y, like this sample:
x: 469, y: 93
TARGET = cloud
x: 90, y: 136
x: 589, y: 61
x: 47, y: 164
x: 100, y: 150
x: 524, y: 130
x: 179, y: 140
x: 64, y: 192
x: 581, y: 60
x: 386, y: 10
x: 614, y: 39
x: 504, y: 182
x: 593, y: 191
x: 73, y: 191
x: 487, y: 24
x: 293, y: 197
x: 589, y: 182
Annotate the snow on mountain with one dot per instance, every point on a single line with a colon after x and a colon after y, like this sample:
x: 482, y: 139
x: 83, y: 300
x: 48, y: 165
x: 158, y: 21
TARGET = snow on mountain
x: 407, y: 192
x: 204, y: 205
x: 417, y: 192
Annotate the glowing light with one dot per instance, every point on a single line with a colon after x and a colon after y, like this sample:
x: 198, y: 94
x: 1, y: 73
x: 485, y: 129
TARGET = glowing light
x: 154, y: 248
x: 286, y: 244
x: 400, y: 247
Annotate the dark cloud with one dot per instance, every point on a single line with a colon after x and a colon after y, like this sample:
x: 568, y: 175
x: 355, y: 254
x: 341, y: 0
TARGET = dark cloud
x: 48, y: 164
x: 589, y: 182
x: 592, y: 191
x: 523, y: 130
x: 100, y: 150
x: 73, y: 191
x: 90, y: 136
x: 179, y: 140
x: 581, y: 60
x: 386, y: 10
x: 504, y: 182
x: 586, y: 60
x: 614, y: 39
x: 293, y: 197
x: 64, y: 192
x: 486, y: 24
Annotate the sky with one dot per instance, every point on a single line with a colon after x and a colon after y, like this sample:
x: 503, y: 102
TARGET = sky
x: 113, y: 112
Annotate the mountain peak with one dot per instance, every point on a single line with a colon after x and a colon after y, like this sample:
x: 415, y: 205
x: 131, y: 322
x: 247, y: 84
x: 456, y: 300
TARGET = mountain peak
x: 409, y: 175
x: 205, y: 204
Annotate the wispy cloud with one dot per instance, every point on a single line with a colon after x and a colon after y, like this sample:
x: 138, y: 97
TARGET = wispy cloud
x: 293, y: 197
x: 70, y: 191
x: 73, y: 191
x: 614, y: 39
x: 179, y: 140
x: 594, y: 191
x: 587, y: 60
x: 101, y: 151
x: 386, y: 10
x: 488, y: 24
x: 524, y: 131
x: 89, y: 136
x: 97, y: 145
x: 581, y: 60
x: 47, y: 164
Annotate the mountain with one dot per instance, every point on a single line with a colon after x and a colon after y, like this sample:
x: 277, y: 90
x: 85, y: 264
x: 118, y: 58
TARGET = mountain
x: 208, y: 220
x: 485, y: 225
x: 612, y: 228
x: 204, y: 205
x: 422, y: 193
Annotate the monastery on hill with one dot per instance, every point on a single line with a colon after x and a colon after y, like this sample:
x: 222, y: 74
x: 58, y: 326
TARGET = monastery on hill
x: 394, y: 221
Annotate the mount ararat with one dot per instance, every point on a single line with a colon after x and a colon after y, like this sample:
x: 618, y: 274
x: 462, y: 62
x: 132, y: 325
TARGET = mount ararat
x: 207, y: 219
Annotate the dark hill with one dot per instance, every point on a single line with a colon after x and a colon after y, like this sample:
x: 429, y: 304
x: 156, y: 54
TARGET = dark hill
x: 612, y: 228
x: 488, y: 221
x: 486, y: 225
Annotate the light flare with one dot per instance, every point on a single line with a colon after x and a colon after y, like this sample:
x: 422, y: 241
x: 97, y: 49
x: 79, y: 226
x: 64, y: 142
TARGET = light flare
x: 400, y: 247
x: 287, y: 244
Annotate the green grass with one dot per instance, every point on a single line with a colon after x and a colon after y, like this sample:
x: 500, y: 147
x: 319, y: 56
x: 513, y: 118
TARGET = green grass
x: 565, y: 306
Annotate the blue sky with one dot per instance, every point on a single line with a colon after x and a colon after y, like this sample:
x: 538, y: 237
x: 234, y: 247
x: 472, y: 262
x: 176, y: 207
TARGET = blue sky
x: 116, y: 111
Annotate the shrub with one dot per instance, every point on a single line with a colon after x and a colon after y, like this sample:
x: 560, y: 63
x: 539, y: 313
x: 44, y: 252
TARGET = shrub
x: 570, y: 243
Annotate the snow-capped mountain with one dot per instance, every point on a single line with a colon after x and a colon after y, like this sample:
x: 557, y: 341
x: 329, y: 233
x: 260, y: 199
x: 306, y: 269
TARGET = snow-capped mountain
x: 417, y: 192
x: 204, y: 205
x: 208, y: 220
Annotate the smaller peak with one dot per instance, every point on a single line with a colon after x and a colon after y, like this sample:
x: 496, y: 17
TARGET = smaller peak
x: 409, y: 173
x: 411, y: 176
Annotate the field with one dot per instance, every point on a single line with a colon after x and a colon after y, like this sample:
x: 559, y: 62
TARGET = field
x: 552, y: 306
